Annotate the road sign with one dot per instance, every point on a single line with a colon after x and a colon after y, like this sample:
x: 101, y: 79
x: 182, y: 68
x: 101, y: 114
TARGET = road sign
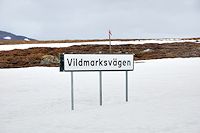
x: 97, y: 62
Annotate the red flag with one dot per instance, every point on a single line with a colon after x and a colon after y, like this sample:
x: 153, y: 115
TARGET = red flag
x: 110, y: 33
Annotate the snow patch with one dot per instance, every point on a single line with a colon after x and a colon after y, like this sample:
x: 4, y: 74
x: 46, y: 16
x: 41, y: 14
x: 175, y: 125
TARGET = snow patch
x: 147, y: 50
x: 7, y: 38
x: 26, y: 39
x: 62, y: 45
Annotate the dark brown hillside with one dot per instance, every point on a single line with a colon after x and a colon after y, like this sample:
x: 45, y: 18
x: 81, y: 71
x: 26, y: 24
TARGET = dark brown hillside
x: 37, y: 56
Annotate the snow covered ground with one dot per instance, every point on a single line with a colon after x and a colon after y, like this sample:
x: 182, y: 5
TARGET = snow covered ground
x: 164, y: 97
x: 61, y: 45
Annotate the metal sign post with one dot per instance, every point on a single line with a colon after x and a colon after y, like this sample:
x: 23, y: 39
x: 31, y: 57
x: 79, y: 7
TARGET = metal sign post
x: 100, y: 87
x: 72, y: 90
x: 96, y: 62
x: 126, y: 86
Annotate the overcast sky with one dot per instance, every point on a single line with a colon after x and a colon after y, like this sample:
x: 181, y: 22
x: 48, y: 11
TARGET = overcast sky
x: 91, y: 19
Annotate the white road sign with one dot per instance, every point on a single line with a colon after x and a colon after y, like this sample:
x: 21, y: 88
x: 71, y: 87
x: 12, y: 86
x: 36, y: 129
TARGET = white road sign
x: 97, y: 62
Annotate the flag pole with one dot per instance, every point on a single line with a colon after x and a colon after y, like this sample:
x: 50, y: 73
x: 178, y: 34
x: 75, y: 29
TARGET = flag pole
x: 109, y: 41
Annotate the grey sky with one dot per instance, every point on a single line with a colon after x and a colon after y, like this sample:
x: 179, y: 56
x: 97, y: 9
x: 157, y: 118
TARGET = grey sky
x: 91, y: 19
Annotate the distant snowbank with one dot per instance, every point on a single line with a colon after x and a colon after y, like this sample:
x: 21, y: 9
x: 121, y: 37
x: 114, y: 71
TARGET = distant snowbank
x: 62, y: 45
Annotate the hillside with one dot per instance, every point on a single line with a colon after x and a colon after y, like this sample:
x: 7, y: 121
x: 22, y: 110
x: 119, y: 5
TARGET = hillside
x: 6, y: 36
x: 47, y: 56
x: 15, y: 54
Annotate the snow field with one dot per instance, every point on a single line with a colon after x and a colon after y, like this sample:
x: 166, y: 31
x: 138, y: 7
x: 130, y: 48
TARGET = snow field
x: 164, y: 97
